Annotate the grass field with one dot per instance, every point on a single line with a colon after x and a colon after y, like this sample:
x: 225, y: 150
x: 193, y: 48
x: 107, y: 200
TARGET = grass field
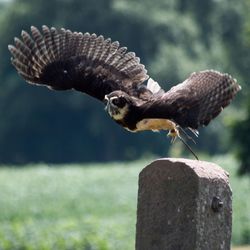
x: 90, y: 207
x: 242, y: 248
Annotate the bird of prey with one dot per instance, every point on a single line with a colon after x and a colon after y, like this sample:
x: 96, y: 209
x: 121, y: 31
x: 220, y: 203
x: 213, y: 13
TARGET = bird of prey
x: 61, y: 59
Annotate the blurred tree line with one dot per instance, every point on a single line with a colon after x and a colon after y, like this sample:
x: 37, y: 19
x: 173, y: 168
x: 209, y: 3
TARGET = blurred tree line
x: 173, y: 38
x: 241, y: 128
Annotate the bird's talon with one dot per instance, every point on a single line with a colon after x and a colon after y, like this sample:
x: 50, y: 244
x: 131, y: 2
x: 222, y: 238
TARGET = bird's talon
x: 173, y: 133
x: 173, y: 139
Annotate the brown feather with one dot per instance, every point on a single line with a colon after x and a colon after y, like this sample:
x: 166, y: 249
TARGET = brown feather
x: 196, y: 101
x: 61, y: 59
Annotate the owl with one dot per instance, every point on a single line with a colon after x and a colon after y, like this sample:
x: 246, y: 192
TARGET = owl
x: 61, y: 60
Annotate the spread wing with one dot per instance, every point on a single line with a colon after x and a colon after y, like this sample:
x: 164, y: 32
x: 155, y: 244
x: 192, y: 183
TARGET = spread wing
x: 196, y: 101
x: 61, y: 60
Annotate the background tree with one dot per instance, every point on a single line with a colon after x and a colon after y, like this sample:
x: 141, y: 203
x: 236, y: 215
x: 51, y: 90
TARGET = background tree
x: 241, y: 126
x: 172, y: 38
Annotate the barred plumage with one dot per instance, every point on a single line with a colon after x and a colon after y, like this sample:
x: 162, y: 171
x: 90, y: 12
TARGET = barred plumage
x: 61, y: 59
x: 197, y: 100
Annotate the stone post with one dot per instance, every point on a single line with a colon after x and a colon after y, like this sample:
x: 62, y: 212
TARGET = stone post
x: 183, y: 205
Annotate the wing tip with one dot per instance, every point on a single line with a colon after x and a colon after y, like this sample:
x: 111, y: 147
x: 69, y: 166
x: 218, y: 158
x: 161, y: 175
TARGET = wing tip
x: 11, y: 47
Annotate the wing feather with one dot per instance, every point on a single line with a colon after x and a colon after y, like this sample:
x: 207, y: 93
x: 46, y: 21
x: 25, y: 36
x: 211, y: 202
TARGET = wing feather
x: 61, y: 59
x: 196, y: 101
x: 48, y: 42
x: 56, y: 43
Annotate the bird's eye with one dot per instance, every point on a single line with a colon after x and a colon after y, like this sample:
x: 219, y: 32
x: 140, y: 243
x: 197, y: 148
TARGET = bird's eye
x: 119, y: 102
x: 116, y: 101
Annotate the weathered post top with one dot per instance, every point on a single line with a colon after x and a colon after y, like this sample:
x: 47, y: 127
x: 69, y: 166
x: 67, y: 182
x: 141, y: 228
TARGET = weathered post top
x: 183, y: 205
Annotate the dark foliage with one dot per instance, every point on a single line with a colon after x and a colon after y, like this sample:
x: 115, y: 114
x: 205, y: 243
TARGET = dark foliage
x: 172, y: 38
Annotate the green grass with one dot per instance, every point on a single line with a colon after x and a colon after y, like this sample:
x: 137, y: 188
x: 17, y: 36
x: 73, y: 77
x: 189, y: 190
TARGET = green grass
x: 242, y: 248
x: 69, y: 207
x: 241, y: 200
x: 88, y: 208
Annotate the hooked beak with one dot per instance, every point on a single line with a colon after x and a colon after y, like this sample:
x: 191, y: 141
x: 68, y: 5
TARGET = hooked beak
x: 106, y: 102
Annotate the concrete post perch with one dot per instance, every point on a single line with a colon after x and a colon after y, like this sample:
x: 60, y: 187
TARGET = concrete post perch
x: 183, y: 205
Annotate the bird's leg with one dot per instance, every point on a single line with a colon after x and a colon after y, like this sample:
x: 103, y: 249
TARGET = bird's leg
x: 188, y: 147
x: 186, y: 134
x: 174, y: 133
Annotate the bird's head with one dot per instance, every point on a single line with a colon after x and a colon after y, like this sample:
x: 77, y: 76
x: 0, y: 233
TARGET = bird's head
x: 118, y: 104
